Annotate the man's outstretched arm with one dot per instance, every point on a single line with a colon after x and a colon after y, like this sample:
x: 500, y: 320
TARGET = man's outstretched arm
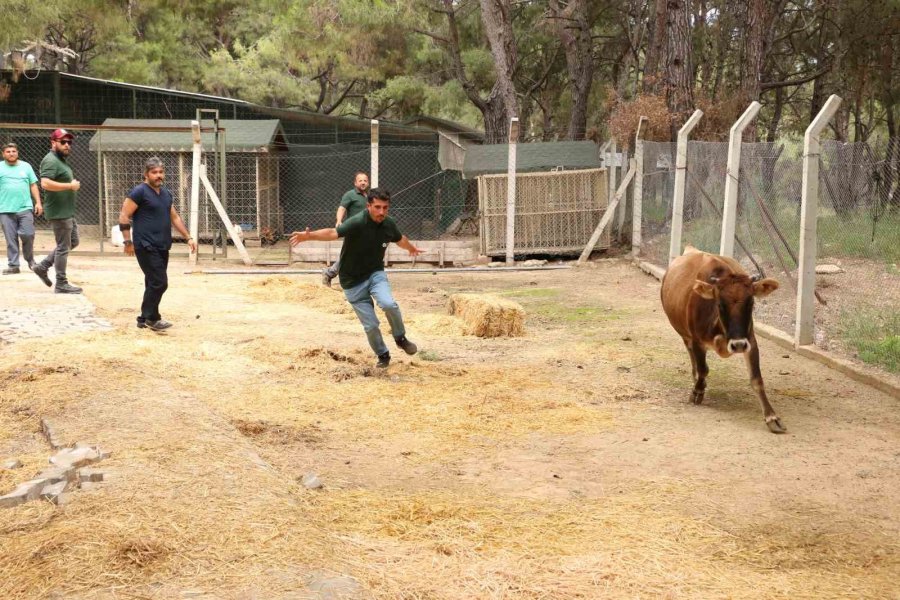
x: 319, y: 235
x: 408, y: 246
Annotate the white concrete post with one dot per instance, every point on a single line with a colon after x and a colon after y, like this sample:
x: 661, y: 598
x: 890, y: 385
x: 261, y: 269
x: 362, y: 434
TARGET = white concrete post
x: 732, y: 178
x: 511, y: 191
x: 373, y: 176
x: 637, y: 192
x: 194, y: 223
x: 806, y: 273
x: 680, y: 184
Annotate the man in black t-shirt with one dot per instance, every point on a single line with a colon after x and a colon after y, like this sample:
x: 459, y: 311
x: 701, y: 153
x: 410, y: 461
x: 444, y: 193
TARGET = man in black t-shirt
x: 151, y: 208
x: 366, y: 237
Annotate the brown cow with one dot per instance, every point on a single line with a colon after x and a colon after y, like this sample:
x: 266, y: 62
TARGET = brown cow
x: 709, y: 301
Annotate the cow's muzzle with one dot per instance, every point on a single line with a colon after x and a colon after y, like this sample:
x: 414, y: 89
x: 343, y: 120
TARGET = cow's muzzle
x: 738, y: 346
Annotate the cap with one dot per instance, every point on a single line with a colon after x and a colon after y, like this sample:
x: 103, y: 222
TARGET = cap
x: 61, y: 134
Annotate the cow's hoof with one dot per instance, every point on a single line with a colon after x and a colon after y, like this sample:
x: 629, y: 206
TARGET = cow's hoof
x: 775, y: 425
x: 697, y: 397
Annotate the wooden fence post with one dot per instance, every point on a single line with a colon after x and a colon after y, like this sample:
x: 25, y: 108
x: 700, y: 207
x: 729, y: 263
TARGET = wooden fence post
x: 637, y: 192
x: 373, y: 176
x: 511, y: 191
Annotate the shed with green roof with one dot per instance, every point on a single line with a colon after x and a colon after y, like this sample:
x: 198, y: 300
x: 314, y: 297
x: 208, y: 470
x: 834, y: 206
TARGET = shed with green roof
x: 252, y: 149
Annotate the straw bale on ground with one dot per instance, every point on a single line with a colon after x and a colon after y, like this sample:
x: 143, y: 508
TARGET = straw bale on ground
x: 488, y: 316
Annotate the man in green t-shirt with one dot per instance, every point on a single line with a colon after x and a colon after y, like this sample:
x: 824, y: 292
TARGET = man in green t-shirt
x: 352, y: 203
x: 19, y: 200
x: 60, y: 188
x: 366, y: 237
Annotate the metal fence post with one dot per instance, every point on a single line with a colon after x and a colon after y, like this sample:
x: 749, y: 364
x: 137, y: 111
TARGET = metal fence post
x: 373, y: 176
x: 511, y: 191
x: 680, y: 181
x: 732, y: 178
x: 804, y: 327
x: 638, y: 190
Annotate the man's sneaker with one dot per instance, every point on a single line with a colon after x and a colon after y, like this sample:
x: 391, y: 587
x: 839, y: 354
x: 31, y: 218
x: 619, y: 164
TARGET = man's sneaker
x: 407, y: 345
x: 157, y: 325
x: 41, y: 272
x: 32, y: 265
x: 11, y: 271
x: 326, y: 280
x: 141, y: 324
x: 384, y: 360
x: 66, y: 288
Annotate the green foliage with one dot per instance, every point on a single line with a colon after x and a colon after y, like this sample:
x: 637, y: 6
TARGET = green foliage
x: 875, y: 335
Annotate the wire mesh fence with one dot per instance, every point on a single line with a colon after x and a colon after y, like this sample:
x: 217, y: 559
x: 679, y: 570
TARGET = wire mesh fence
x: 859, y: 242
x: 858, y: 232
x: 658, y: 184
x: 704, y: 194
x: 266, y: 194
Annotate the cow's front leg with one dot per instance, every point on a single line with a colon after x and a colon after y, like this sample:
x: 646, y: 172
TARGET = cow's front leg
x: 701, y: 370
x: 756, y: 380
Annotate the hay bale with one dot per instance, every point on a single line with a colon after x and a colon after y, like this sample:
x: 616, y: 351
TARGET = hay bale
x: 488, y: 316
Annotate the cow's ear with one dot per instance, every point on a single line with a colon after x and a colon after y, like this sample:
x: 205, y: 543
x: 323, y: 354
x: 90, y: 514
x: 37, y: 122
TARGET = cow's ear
x: 705, y: 290
x: 764, y: 287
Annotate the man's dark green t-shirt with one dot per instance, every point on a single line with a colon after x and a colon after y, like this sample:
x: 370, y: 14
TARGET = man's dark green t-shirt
x: 365, y: 242
x: 58, y: 205
x: 354, y: 202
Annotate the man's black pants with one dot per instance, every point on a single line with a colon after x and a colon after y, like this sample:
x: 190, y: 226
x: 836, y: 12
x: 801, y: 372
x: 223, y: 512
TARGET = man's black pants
x: 154, y: 263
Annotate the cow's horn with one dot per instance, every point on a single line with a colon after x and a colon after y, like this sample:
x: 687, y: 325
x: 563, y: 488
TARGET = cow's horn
x: 714, y: 280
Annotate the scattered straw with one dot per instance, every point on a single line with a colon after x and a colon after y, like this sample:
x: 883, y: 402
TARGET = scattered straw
x: 285, y: 289
x: 488, y: 316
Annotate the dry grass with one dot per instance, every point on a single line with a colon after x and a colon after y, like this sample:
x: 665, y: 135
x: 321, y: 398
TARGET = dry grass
x: 488, y: 316
x: 284, y: 289
x: 189, y: 505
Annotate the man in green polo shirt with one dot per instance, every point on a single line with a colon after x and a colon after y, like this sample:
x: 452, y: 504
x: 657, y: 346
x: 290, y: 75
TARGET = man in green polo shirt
x: 60, y: 188
x: 352, y: 203
x: 19, y: 200
x: 366, y: 237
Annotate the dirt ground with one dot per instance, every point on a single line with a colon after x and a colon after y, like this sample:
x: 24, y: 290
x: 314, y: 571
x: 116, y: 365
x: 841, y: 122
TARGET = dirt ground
x: 567, y: 463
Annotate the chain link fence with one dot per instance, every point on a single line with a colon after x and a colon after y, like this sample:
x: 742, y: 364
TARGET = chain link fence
x: 266, y: 194
x: 704, y: 194
x: 858, y: 232
x: 657, y: 187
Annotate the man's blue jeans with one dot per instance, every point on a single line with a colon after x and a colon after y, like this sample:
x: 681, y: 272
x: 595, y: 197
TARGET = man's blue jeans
x: 360, y: 298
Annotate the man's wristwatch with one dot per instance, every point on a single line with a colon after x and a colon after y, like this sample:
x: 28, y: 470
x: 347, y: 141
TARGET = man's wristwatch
x: 129, y: 243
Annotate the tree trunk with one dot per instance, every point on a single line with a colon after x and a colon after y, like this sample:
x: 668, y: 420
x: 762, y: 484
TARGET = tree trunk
x: 656, y: 47
x: 759, y: 31
x: 493, y: 110
x: 679, y: 81
x: 818, y: 93
x: 777, y: 112
x: 574, y: 31
x: 498, y: 30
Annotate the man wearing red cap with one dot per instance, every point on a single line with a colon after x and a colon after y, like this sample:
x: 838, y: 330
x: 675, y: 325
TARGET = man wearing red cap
x: 60, y: 187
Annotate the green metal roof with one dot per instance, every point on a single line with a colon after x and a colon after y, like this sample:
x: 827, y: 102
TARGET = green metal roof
x: 240, y: 136
x: 539, y: 156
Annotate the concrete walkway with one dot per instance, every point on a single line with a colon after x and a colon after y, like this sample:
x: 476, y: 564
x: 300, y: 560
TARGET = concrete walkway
x: 29, y: 309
